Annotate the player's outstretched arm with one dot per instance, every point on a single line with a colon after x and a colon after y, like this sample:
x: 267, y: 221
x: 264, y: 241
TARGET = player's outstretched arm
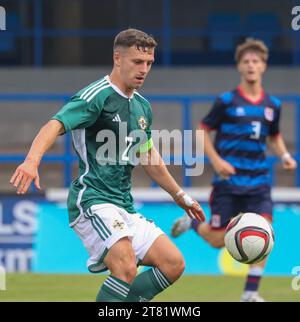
x: 278, y: 146
x: 28, y: 170
x: 156, y: 169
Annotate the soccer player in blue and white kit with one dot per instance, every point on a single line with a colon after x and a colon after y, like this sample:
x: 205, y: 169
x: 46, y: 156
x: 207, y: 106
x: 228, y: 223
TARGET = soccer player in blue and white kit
x: 245, y: 120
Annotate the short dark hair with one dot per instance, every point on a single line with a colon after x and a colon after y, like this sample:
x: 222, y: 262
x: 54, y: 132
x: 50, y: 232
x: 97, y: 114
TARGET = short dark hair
x: 255, y: 45
x: 133, y: 37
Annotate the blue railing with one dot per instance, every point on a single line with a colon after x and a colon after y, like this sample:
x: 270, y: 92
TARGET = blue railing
x: 167, y: 33
x: 67, y: 158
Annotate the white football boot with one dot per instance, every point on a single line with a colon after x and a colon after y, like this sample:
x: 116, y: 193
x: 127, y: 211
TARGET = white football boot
x: 181, y: 225
x: 251, y: 297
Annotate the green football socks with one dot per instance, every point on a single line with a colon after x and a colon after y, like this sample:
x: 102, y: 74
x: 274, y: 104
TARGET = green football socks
x: 113, y: 290
x: 146, y: 285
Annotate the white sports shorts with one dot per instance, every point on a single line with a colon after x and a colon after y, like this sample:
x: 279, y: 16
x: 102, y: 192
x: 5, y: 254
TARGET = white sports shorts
x: 102, y: 225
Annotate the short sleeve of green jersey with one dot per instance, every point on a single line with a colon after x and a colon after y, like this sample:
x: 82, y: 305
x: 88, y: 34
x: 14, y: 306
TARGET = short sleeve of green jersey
x: 145, y: 147
x: 78, y: 114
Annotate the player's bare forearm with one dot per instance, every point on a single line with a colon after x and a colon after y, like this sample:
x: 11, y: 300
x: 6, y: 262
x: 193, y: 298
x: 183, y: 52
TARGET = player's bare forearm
x: 209, y: 148
x: 222, y: 167
x: 158, y: 172
x: 44, y: 140
x: 277, y: 144
x: 28, y: 170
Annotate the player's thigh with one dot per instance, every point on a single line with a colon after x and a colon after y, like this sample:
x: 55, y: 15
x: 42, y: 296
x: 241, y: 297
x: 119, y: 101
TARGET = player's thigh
x: 154, y: 248
x: 145, y: 233
x: 121, y: 256
x: 214, y: 236
x: 223, y: 208
x: 163, y: 252
x: 260, y: 203
x: 100, y: 228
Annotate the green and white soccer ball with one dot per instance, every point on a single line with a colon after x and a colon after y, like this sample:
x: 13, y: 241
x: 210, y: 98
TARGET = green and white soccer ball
x: 249, y: 238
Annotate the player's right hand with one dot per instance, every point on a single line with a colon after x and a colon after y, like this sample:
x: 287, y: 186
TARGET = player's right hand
x: 23, y: 176
x: 223, y: 168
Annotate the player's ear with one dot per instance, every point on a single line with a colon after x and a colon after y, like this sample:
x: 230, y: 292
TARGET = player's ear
x: 264, y: 67
x: 116, y: 57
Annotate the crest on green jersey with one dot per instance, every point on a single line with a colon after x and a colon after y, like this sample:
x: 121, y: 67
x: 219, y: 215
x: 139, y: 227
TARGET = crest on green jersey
x: 142, y: 123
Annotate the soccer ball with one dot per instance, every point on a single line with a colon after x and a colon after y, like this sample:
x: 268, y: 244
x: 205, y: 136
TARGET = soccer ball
x: 249, y: 238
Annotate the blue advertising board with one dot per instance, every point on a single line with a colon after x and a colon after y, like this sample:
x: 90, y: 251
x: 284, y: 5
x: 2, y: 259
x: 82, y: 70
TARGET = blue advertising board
x: 59, y: 250
x: 17, y: 229
x: 35, y: 236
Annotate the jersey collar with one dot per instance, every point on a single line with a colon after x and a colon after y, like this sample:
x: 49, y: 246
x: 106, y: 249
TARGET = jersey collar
x: 117, y: 89
x: 255, y: 102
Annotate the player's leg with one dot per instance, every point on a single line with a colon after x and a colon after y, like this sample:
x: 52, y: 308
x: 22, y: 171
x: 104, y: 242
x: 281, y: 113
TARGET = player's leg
x: 167, y: 266
x: 154, y: 248
x: 253, y: 279
x: 223, y: 207
x: 166, y: 257
x: 214, y: 236
x: 106, y: 236
x: 260, y: 204
x: 121, y: 262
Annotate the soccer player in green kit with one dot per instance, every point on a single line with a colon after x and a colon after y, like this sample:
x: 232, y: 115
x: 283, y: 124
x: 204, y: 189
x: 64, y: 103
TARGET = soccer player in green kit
x: 100, y: 203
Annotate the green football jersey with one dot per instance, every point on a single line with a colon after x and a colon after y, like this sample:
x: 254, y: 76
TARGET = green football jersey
x: 108, y: 128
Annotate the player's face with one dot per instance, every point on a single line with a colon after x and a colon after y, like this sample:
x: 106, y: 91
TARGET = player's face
x: 251, y: 67
x: 134, y: 66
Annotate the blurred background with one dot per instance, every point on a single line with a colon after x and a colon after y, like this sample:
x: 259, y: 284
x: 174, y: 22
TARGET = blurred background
x: 51, y: 49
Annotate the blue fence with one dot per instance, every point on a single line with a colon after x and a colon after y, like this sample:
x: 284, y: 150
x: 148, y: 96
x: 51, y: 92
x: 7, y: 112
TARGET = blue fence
x: 222, y: 30
x: 67, y: 158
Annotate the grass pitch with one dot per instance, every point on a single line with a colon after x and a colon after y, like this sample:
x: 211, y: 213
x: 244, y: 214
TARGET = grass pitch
x: 190, y: 288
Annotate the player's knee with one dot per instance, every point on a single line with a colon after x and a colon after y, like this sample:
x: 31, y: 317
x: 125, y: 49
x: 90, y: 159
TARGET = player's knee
x: 174, y: 267
x: 128, y: 266
x: 217, y: 242
x: 215, y: 238
x: 179, y: 265
x: 125, y: 270
x: 123, y: 266
x: 130, y: 272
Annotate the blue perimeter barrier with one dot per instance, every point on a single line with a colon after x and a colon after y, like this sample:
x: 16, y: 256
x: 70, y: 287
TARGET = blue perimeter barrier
x: 201, y: 258
x: 186, y: 102
x: 166, y: 32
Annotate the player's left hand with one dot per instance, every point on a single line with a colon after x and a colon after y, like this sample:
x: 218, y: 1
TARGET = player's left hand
x: 190, y: 205
x: 289, y: 163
